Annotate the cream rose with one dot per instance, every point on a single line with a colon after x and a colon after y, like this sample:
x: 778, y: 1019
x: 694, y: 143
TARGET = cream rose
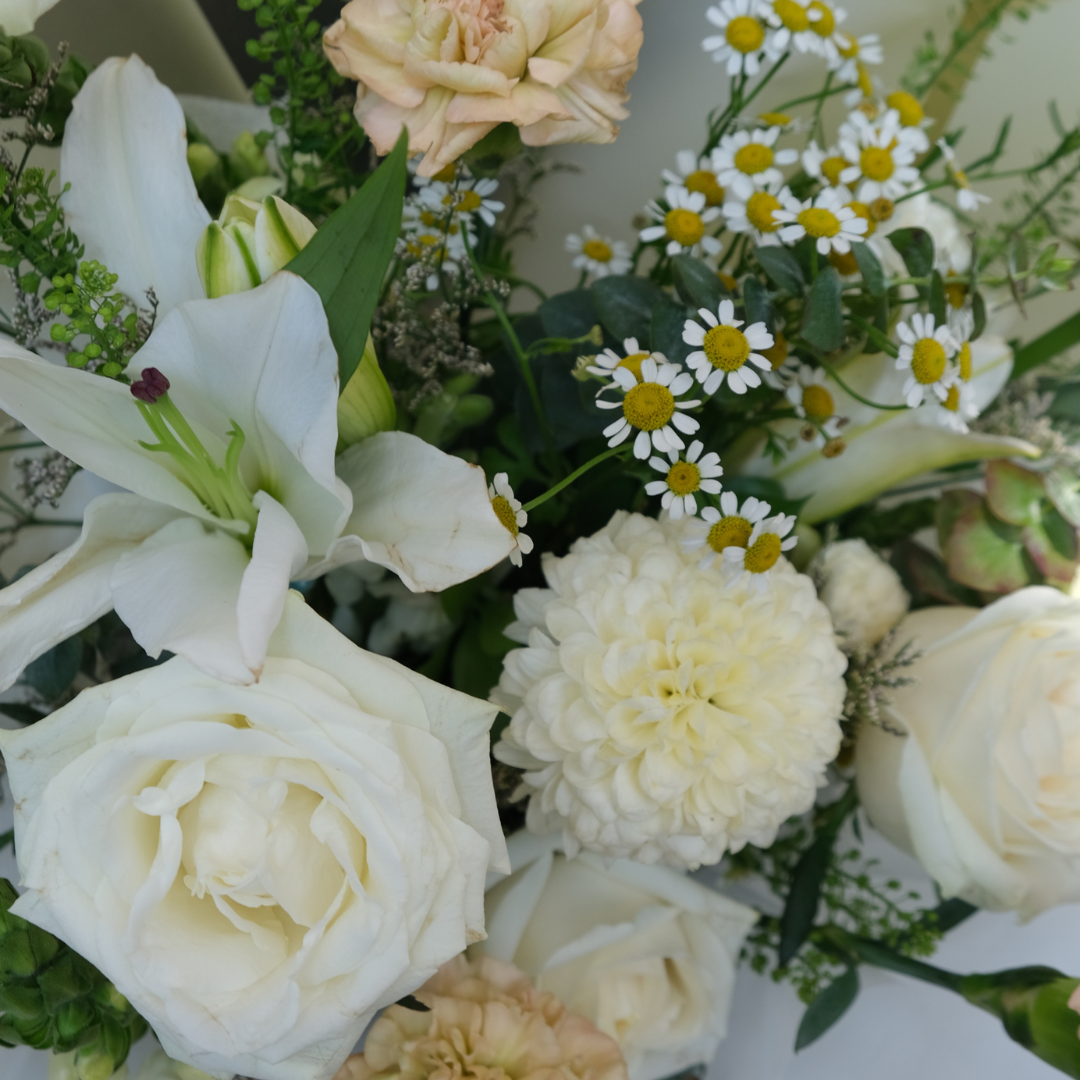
x: 644, y: 952
x: 985, y: 788
x: 260, y: 868
x: 452, y: 70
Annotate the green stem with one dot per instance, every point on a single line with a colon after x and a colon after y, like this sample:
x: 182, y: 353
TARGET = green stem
x: 816, y: 123
x: 813, y: 263
x: 576, y: 474
x: 810, y: 97
x: 765, y: 81
x: 1048, y: 197
x: 875, y: 335
x: 21, y: 446
x: 865, y: 951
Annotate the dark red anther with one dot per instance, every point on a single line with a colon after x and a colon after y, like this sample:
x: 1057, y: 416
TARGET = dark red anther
x: 151, y: 386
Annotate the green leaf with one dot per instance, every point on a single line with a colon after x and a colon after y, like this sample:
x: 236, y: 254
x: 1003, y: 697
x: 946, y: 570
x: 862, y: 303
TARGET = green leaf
x: 978, y: 309
x: 1053, y: 343
x: 366, y: 406
x: 870, y: 268
x: 409, y: 1002
x: 827, y: 1008
x: 1014, y: 494
x: 758, y: 305
x: 1063, y: 487
x: 1052, y: 545
x: 916, y: 248
x: 625, y: 306
x: 668, y: 322
x: 569, y: 314
x: 53, y: 672
x: 345, y: 261
x: 985, y: 554
x: 494, y: 150
x: 823, y: 322
x: 697, y: 284
x: 782, y: 267
x: 24, y: 714
x: 937, y: 298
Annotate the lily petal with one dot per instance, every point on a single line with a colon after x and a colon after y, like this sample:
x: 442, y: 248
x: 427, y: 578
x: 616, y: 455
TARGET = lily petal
x: 132, y: 200
x: 69, y: 591
x: 419, y: 512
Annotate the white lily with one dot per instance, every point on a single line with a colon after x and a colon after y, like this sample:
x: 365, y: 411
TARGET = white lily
x: 886, y: 448
x: 19, y: 16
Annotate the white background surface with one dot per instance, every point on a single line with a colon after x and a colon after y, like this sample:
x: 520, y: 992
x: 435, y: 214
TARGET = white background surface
x: 898, y: 1030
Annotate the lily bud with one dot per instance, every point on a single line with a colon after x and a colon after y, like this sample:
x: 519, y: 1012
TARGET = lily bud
x: 366, y: 407
x: 249, y: 242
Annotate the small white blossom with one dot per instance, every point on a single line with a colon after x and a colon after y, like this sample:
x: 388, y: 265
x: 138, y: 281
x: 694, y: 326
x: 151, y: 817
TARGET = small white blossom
x: 684, y: 477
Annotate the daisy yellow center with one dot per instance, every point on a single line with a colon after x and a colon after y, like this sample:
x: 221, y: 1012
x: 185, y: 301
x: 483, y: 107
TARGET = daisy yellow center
x: 745, y: 34
x: 817, y: 402
x: 955, y: 292
x: 705, y: 183
x: 911, y: 112
x: 832, y: 167
x: 928, y: 361
x: 792, y: 15
x: 847, y: 47
x: 684, y: 227
x: 598, y: 251
x: 468, y: 202
x: 866, y: 84
x: 863, y: 211
x: 818, y: 221
x: 760, y: 208
x: 753, y: 158
x: 764, y: 554
x: 963, y: 358
x: 778, y: 353
x: 633, y: 363
x: 876, y: 163
x: 882, y: 209
x: 952, y: 400
x: 775, y: 119
x: 825, y: 24
x: 730, y: 532
x: 684, y: 478
x: 726, y: 348
x: 505, y: 513
x: 729, y: 282
x: 648, y: 406
x: 429, y: 219
x: 446, y: 175
x: 845, y: 264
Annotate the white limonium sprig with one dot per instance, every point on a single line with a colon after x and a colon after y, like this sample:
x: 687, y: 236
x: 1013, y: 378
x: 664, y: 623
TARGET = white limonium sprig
x: 925, y: 352
x: 509, y: 511
x: 598, y: 255
x: 724, y: 350
x: 834, y: 226
x: 684, y: 224
x: 717, y: 530
x: 745, y: 36
x: 684, y: 477
x: 747, y: 161
x: 651, y: 407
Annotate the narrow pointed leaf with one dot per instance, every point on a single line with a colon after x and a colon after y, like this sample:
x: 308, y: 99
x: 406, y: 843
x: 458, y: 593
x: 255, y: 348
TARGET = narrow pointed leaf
x: 625, y: 306
x: 827, y: 1008
x: 782, y: 267
x: 758, y: 305
x: 823, y: 324
x: 870, y: 268
x: 698, y: 285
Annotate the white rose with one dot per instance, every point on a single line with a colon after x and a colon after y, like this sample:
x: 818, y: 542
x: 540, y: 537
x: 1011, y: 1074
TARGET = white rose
x: 985, y: 790
x: 260, y: 868
x: 159, y: 1066
x: 862, y: 592
x: 646, y: 953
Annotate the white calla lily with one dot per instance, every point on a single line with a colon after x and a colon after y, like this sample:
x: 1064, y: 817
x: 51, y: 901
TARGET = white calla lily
x: 18, y: 16
x: 885, y: 448
x: 255, y: 377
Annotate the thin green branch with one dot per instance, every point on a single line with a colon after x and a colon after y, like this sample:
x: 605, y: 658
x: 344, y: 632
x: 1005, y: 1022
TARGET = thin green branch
x: 576, y: 474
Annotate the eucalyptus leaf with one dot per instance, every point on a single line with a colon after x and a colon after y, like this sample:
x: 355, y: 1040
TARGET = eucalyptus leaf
x: 916, y: 248
x: 827, y: 1008
x: 698, y: 284
x: 823, y: 321
x: 1053, y: 343
x: 870, y: 268
x: 569, y: 314
x: 345, y: 261
x: 758, y: 305
x: 782, y: 267
x: 625, y: 306
x: 668, y: 323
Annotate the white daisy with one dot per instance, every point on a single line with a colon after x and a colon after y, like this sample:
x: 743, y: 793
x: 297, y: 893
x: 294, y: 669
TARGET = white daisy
x: 651, y: 408
x: 745, y: 36
x: 746, y: 161
x: 913, y: 120
x: 881, y: 158
x: 785, y: 367
x: 792, y: 20
x: 958, y: 408
x: 730, y: 526
x: 962, y: 326
x: 435, y: 237
x: 851, y: 59
x: 598, y: 255
x: 925, y: 353
x: 756, y: 215
x: 809, y: 395
x: 824, y: 18
x: 609, y: 360
x: 696, y: 174
x: 826, y: 166
x: 684, y: 477
x: 465, y: 197
x: 766, y: 544
x: 684, y: 223
x: 724, y: 349
x: 834, y: 226
x: 508, y: 511
x: 966, y: 199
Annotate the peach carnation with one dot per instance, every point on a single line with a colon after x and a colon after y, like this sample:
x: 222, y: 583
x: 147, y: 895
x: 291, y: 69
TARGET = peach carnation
x: 487, y: 1022
x: 451, y: 70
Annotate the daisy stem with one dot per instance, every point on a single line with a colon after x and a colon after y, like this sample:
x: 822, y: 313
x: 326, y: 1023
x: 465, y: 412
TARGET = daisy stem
x: 882, y: 341
x: 816, y: 124
x: 831, y: 371
x: 813, y: 263
x: 576, y: 474
x: 764, y: 82
x: 832, y: 92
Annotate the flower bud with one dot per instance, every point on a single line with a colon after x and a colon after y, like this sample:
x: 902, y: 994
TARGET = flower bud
x: 247, y: 158
x: 366, y: 407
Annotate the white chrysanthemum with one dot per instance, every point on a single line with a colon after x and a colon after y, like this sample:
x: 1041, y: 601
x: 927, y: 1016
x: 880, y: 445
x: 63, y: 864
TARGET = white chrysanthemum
x: 746, y: 161
x: 723, y: 349
x: 833, y: 225
x: 684, y: 478
x: 598, y: 255
x: 663, y: 711
x: 756, y: 215
x: 683, y: 224
x: 696, y: 174
x: 508, y: 510
x: 745, y: 36
x: 925, y: 353
x: 862, y: 592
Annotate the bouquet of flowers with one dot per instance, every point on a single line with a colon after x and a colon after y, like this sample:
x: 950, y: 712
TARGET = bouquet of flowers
x: 494, y: 672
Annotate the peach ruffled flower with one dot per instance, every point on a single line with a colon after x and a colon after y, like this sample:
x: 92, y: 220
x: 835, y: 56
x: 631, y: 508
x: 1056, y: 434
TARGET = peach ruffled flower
x: 487, y: 1022
x: 451, y: 70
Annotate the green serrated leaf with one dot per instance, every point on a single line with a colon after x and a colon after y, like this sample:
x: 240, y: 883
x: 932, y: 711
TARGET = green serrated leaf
x: 698, y: 284
x: 871, y: 270
x: 345, y: 261
x: 625, y: 306
x: 782, y: 268
x: 827, y: 1008
x: 823, y: 321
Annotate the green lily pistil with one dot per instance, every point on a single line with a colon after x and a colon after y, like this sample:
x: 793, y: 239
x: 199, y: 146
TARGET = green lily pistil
x: 220, y: 488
